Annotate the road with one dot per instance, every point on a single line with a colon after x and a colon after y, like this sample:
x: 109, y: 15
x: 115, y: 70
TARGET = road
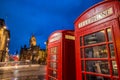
x: 23, y: 72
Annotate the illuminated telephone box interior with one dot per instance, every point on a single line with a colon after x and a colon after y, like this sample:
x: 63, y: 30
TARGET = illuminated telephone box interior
x: 61, y: 56
x: 97, y: 43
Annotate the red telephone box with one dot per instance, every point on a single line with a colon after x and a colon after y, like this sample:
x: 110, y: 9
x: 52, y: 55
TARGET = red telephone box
x: 97, y: 34
x: 61, y: 56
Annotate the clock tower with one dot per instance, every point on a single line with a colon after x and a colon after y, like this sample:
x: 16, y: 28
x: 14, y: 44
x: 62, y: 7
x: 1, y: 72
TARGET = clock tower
x: 32, y: 41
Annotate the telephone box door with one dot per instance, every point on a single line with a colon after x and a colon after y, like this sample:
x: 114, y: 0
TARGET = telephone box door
x: 54, y: 60
x: 99, y: 52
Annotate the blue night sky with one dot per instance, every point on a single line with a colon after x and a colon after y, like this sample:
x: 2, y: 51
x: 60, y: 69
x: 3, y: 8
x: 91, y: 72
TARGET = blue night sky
x: 39, y: 17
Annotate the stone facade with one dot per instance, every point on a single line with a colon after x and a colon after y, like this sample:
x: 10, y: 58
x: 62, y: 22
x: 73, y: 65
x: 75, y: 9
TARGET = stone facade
x: 33, y: 53
x: 4, y: 41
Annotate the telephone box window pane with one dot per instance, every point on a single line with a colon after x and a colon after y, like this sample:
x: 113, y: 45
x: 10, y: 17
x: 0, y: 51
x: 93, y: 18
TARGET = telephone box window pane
x: 80, y: 41
x: 53, y: 57
x: 81, y: 53
x: 94, y: 38
x: 96, y: 52
x: 82, y: 65
x: 53, y: 65
x: 115, y: 69
x: 97, y: 67
x: 112, y: 50
x: 90, y: 66
x: 54, y: 50
x: 50, y: 78
x: 109, y: 34
x: 93, y: 77
x: 53, y: 73
x: 83, y: 77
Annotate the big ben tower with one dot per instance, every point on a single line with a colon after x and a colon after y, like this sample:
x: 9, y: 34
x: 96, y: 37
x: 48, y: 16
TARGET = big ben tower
x: 32, y: 41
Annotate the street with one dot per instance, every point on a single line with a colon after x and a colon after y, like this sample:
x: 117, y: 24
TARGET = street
x: 23, y: 72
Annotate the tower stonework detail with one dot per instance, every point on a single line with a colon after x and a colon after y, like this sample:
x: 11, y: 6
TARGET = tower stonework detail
x: 33, y: 41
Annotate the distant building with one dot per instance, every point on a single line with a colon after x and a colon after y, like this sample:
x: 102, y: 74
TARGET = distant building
x: 4, y: 41
x: 33, y: 52
x: 13, y: 58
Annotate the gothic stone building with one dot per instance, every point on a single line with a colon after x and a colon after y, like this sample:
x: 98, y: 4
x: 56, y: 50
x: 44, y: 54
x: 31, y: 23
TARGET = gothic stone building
x: 33, y: 53
x: 4, y: 41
